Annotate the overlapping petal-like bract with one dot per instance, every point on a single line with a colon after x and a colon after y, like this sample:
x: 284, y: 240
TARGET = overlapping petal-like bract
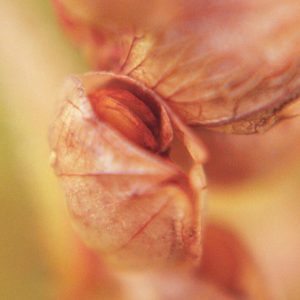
x: 231, y: 65
x: 136, y: 206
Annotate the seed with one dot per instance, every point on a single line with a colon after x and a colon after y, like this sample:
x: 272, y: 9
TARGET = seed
x: 126, y: 113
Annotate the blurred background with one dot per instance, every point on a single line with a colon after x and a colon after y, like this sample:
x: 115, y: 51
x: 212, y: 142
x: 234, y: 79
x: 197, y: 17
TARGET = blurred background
x: 40, y: 256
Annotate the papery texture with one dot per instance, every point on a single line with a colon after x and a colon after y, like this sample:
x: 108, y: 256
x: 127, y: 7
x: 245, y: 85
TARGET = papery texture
x: 231, y: 65
x: 137, y: 207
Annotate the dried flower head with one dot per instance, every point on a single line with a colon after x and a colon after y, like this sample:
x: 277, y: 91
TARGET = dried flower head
x: 130, y: 166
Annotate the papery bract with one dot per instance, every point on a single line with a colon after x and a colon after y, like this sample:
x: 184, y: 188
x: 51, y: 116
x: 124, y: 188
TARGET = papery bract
x: 137, y: 207
x: 231, y: 65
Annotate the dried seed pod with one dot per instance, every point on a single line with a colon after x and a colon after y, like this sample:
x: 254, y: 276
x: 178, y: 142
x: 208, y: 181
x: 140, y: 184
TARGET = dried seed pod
x: 112, y: 148
x: 228, y: 65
